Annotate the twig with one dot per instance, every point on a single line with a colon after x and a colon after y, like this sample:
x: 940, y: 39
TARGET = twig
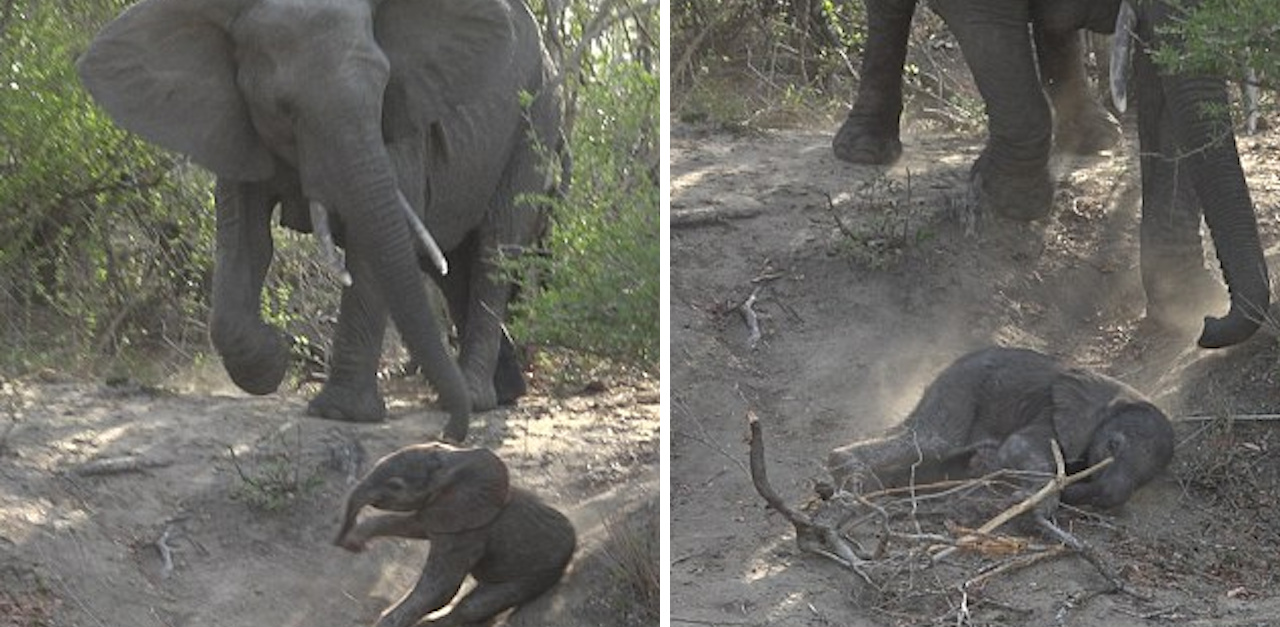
x: 696, y: 621
x: 1020, y: 561
x: 844, y: 230
x: 119, y: 465
x: 703, y: 216
x: 818, y: 539
x: 760, y: 477
x: 1054, y: 486
x: 166, y: 553
x: 1089, y: 554
x: 749, y: 316
x: 1238, y: 417
x: 600, y: 22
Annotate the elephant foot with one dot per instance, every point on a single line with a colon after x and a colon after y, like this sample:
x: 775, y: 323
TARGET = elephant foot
x: 336, y: 402
x: 455, y: 431
x: 484, y: 395
x: 1090, y: 131
x: 261, y: 369
x: 508, y: 377
x: 1016, y: 197
x: 859, y: 142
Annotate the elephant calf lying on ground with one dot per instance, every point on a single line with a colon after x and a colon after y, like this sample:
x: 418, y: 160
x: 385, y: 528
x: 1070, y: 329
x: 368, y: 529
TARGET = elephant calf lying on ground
x: 1001, y: 408
x: 514, y: 545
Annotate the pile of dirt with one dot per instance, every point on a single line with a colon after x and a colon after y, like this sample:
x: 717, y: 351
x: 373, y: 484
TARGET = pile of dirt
x: 131, y: 505
x: 862, y: 283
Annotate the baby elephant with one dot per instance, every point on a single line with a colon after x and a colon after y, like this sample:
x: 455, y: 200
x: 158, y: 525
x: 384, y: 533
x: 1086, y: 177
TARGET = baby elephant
x: 1001, y: 408
x: 514, y: 545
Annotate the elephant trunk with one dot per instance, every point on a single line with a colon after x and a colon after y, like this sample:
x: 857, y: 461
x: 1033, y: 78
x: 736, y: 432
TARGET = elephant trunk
x: 1205, y: 135
x: 368, y: 200
x: 356, y: 501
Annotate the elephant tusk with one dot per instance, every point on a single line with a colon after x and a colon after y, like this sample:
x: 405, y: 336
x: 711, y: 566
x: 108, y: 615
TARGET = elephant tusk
x: 1121, y: 45
x: 328, y: 252
x: 424, y: 236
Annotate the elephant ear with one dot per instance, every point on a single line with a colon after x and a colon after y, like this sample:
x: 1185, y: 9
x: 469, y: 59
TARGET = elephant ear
x: 445, y: 53
x: 165, y: 69
x: 468, y: 493
x: 1081, y: 401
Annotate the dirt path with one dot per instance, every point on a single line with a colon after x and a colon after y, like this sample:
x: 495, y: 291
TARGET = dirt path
x: 861, y: 301
x: 249, y: 535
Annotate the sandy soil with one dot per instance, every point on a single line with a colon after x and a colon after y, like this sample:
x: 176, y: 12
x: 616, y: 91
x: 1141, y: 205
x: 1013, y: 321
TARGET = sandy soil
x: 248, y: 534
x: 862, y: 300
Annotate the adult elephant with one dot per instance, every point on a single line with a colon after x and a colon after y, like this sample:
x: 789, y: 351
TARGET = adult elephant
x: 1189, y: 160
x: 870, y: 135
x: 379, y: 115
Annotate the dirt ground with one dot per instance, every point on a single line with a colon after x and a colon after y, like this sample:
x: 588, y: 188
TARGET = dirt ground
x: 863, y: 299
x: 244, y: 494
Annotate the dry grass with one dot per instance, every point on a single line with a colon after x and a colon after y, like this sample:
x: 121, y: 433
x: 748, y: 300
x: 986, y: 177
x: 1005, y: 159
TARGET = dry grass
x: 632, y: 554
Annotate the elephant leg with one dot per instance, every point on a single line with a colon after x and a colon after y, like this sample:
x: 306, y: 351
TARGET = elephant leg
x: 1081, y: 125
x: 508, y: 376
x: 512, y: 219
x: 481, y: 332
x: 1011, y: 177
x: 488, y: 599
x: 870, y: 133
x: 1199, y: 140
x: 1172, y: 251
x: 254, y: 354
x: 888, y: 461
x: 351, y: 391
x: 1030, y: 450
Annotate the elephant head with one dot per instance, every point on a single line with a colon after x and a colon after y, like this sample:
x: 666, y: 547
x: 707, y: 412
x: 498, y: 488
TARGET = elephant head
x: 451, y: 489
x: 293, y: 91
x: 1139, y: 439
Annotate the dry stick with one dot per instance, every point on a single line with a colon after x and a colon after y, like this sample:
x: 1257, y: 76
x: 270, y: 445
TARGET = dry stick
x: 712, y: 215
x: 750, y: 317
x: 808, y: 534
x: 1055, y: 485
x: 1240, y: 417
x: 944, y: 487
x: 1020, y: 561
x: 166, y: 553
x: 119, y: 465
x: 1090, y: 555
x: 844, y: 230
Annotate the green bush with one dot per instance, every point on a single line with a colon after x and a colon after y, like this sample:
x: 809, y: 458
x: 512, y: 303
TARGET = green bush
x: 1226, y: 36
x: 600, y: 281
x: 107, y: 240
